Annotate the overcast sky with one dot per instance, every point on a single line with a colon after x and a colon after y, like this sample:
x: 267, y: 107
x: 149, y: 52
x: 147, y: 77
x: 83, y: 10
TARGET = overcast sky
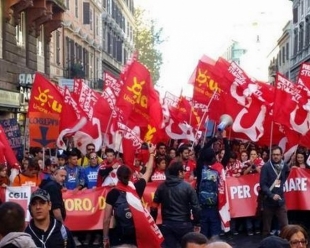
x: 197, y: 27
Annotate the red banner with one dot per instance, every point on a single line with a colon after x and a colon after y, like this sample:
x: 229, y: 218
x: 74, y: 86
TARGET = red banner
x: 243, y: 192
x: 85, y: 209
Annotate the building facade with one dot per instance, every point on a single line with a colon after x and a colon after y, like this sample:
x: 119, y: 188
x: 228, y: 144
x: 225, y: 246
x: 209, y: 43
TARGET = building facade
x: 26, y: 27
x: 300, y: 40
x: 96, y: 38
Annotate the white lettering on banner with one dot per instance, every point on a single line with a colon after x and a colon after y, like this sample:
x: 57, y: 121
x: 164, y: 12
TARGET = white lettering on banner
x: 295, y: 184
x: 20, y: 195
x: 237, y: 72
x: 287, y: 86
x: 305, y: 70
x: 69, y: 100
x: 241, y: 191
x: 255, y: 189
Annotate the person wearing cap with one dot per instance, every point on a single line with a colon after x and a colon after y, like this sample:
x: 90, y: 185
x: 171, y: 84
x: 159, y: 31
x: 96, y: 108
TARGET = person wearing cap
x: 12, y: 224
x: 61, y: 158
x: 44, y: 229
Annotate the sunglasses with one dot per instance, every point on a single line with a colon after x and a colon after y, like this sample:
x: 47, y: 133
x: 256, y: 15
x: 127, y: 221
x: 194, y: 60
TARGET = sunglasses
x: 93, y: 157
x: 90, y: 149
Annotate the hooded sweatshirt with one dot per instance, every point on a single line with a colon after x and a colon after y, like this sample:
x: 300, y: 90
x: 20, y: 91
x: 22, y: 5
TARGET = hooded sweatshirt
x: 18, y: 239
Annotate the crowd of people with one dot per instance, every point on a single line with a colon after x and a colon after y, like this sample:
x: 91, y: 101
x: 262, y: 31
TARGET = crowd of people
x: 189, y: 179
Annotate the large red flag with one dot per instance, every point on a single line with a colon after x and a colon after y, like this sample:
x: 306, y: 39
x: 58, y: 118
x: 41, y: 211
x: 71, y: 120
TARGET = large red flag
x: 287, y: 99
x: 138, y: 101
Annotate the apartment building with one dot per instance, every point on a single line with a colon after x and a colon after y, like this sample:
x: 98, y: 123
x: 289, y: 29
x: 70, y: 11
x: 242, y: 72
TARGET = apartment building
x: 25, y: 30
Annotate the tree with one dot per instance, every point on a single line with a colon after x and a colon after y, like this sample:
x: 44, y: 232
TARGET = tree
x: 147, y: 39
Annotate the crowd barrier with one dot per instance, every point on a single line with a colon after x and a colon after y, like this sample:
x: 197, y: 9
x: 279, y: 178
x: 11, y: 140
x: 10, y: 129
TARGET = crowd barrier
x: 85, y: 209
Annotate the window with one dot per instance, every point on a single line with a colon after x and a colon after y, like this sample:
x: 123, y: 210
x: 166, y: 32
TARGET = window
x: 76, y: 8
x: 302, y: 8
x: 40, y: 43
x: 307, y: 35
x: 295, y: 41
x: 91, y: 19
x: 57, y: 43
x: 283, y: 55
x: 301, y: 37
x: 21, y: 31
x: 279, y: 58
x: 86, y: 13
x: 97, y: 25
x: 295, y: 15
x: 287, y: 51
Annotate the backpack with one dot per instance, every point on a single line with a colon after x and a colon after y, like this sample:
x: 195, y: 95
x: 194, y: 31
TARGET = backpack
x: 208, y: 188
x: 123, y: 215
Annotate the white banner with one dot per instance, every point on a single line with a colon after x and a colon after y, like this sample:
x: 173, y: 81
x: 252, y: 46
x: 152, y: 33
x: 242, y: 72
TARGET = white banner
x: 20, y: 195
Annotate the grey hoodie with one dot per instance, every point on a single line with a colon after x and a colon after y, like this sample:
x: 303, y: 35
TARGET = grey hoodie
x: 19, y: 239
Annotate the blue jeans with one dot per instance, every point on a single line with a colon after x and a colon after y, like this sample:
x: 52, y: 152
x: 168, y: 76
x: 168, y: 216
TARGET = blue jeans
x: 210, y: 221
x: 173, y: 231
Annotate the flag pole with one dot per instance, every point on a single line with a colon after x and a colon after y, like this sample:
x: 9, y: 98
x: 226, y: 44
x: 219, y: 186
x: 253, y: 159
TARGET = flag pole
x: 271, y: 135
x: 207, y: 108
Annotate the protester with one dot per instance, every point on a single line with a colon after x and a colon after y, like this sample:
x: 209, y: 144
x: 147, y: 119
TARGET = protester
x: 274, y: 242
x: 272, y: 178
x: 12, y: 225
x: 90, y: 174
x: 208, y: 184
x: 84, y: 160
x: 132, y: 226
x: 74, y: 179
x: 159, y: 173
x: 49, y: 168
x: 61, y: 157
x: 29, y: 177
x: 45, y: 230
x: 178, y: 201
x: 53, y: 186
x: 296, y: 235
x: 188, y: 163
x: 194, y: 240
x: 4, y: 179
x: 107, y: 172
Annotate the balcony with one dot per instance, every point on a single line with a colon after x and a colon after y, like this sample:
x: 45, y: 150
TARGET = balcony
x: 13, y: 8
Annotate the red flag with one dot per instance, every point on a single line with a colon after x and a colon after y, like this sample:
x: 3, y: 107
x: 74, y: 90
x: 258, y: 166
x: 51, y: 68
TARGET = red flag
x: 287, y: 99
x: 45, y: 97
x: 138, y: 102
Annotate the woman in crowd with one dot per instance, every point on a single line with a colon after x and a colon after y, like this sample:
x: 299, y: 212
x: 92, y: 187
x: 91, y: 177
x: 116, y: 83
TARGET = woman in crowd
x: 296, y: 235
x: 300, y: 160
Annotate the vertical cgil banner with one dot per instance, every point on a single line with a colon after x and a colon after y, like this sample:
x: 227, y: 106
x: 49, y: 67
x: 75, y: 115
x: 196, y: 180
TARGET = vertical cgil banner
x: 43, y: 129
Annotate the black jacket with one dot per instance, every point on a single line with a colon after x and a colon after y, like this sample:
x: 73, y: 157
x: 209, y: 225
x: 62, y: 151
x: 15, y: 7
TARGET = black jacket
x: 177, y: 199
x: 267, y: 177
x: 54, y: 189
x: 54, y: 236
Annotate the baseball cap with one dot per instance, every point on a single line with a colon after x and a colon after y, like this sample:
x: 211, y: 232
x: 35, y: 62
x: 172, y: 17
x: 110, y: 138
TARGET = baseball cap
x: 40, y: 193
x: 61, y: 154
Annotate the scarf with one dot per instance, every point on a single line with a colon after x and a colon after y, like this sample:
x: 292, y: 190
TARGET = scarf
x: 147, y: 232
